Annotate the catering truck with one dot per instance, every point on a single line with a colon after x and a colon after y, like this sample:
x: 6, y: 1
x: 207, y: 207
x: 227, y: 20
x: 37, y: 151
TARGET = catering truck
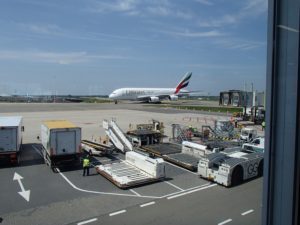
x: 61, y: 142
x: 231, y: 166
x: 10, y: 139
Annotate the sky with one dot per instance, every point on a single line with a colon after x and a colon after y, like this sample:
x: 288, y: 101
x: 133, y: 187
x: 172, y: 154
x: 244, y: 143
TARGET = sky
x: 91, y: 47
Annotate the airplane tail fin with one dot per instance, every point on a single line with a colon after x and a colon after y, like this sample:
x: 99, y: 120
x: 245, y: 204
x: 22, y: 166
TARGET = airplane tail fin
x: 184, y: 82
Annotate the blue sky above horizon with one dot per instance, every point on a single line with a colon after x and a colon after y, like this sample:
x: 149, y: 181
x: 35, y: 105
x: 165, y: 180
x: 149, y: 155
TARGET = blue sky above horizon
x: 94, y: 47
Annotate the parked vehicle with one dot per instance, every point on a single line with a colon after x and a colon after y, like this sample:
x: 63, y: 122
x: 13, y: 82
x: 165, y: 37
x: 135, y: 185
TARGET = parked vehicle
x: 61, y: 140
x: 10, y: 139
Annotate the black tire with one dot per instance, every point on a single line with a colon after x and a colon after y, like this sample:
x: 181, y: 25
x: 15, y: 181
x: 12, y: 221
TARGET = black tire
x: 260, y: 169
x: 237, y: 176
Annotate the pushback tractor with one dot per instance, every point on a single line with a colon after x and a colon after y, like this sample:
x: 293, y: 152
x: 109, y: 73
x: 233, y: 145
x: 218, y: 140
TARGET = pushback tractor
x: 231, y: 166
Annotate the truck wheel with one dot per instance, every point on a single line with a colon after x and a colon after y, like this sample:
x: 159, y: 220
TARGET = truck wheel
x: 260, y: 169
x: 237, y: 176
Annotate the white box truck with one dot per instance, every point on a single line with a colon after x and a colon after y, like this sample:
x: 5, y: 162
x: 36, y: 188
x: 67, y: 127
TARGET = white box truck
x: 10, y: 139
x: 61, y: 140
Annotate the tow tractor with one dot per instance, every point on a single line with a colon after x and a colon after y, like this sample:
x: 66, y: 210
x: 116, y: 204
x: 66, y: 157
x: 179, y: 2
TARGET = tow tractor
x: 257, y: 145
x: 231, y: 166
x: 248, y: 134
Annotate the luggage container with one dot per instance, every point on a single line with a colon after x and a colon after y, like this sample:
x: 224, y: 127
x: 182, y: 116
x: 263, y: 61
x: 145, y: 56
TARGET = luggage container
x: 136, y: 169
x: 61, y: 140
x: 10, y: 139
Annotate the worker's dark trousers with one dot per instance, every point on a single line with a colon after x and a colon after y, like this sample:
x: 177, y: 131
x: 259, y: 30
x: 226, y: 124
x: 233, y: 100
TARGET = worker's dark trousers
x: 86, y: 170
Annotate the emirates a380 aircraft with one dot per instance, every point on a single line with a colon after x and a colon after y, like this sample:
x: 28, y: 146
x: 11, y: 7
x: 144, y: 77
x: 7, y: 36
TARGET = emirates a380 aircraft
x: 153, y: 95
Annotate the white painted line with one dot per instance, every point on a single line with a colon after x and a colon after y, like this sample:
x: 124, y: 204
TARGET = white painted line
x: 117, y: 213
x: 224, y: 222
x: 99, y: 192
x: 38, y: 151
x: 134, y: 192
x: 192, y: 191
x: 189, y: 189
x: 181, y: 168
x: 147, y: 204
x: 173, y: 185
x: 247, y: 212
x: 87, y: 221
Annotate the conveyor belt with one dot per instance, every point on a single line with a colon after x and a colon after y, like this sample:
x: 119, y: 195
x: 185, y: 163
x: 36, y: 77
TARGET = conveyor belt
x: 162, y: 149
x: 184, y: 160
x: 95, y: 145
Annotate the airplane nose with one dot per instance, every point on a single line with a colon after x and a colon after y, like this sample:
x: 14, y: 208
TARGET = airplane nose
x: 111, y: 96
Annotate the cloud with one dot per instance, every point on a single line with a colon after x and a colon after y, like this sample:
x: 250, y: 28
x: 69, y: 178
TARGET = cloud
x: 63, y: 58
x: 212, y: 33
x: 115, y: 6
x: 239, y: 44
x: 42, y: 28
x: 161, y: 8
x: 204, y: 2
x: 251, y: 9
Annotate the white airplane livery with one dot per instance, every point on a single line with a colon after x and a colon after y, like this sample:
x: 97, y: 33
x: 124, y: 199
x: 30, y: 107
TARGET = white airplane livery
x: 152, y: 94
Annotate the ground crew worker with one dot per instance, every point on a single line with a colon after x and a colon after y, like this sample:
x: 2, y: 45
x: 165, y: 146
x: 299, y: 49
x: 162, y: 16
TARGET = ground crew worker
x: 263, y: 125
x: 86, y: 166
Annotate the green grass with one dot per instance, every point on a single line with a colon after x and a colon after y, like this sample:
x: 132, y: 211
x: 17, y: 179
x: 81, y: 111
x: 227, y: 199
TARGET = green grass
x: 97, y: 100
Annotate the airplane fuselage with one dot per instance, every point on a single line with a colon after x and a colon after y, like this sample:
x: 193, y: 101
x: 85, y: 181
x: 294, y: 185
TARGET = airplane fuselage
x: 152, y: 94
x: 138, y: 93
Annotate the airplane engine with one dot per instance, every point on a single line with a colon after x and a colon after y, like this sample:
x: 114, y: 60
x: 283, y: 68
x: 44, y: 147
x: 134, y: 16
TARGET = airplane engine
x: 154, y: 99
x: 173, y: 97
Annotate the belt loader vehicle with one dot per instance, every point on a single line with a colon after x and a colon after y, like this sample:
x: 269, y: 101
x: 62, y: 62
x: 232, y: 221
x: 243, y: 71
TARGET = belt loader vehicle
x: 61, y: 140
x: 231, y: 166
x: 10, y: 139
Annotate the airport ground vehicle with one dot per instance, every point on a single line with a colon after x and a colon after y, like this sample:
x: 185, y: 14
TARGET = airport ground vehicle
x: 231, y: 166
x: 248, y: 134
x: 10, y: 139
x: 136, y: 169
x: 61, y: 141
x: 257, y: 145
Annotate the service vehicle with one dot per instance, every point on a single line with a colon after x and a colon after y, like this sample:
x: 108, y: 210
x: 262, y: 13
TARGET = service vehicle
x: 61, y: 142
x: 136, y: 169
x: 231, y: 166
x: 10, y: 139
x: 189, y: 156
x: 257, y: 145
x: 248, y: 134
x: 97, y: 149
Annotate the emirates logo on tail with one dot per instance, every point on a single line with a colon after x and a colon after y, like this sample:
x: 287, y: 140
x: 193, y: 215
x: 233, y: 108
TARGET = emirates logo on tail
x: 184, y: 82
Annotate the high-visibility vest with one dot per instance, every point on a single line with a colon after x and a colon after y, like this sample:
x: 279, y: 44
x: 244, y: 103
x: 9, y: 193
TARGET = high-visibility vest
x: 86, y: 163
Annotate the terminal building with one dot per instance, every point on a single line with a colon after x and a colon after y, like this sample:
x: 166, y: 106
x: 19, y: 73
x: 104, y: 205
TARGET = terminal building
x: 238, y: 98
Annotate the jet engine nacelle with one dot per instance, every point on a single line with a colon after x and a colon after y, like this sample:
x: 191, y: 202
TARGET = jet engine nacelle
x: 173, y: 97
x: 154, y: 99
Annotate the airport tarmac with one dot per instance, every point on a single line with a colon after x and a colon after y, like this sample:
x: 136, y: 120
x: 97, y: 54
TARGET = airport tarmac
x: 69, y: 198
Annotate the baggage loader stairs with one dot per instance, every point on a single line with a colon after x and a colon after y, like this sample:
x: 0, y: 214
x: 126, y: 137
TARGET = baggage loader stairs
x: 117, y: 136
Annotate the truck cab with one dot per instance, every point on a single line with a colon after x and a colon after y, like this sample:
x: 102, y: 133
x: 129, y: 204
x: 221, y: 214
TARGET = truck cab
x: 248, y: 134
x: 257, y: 145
